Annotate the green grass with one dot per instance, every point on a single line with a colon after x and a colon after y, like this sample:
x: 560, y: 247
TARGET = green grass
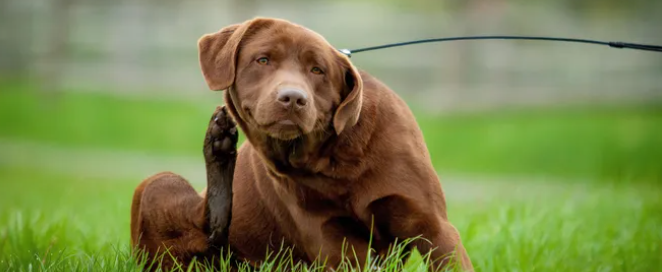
x: 88, y: 120
x: 77, y: 221
x: 70, y: 223
x: 618, y: 143
x: 622, y: 143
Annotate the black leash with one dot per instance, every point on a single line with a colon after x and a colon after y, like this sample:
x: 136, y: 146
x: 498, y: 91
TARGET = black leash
x: 645, y: 47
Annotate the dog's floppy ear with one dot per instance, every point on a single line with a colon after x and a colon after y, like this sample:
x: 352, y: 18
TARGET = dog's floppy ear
x: 218, y: 52
x: 347, y: 114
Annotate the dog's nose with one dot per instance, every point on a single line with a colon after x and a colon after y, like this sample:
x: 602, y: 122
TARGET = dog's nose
x: 292, y: 97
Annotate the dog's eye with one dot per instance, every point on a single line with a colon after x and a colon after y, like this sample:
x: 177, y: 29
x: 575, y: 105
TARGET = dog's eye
x: 317, y: 71
x: 263, y: 61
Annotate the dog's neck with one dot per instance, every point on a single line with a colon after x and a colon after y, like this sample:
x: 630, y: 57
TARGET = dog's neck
x: 307, y: 154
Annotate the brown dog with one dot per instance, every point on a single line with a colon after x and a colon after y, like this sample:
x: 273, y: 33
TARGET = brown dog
x: 330, y: 153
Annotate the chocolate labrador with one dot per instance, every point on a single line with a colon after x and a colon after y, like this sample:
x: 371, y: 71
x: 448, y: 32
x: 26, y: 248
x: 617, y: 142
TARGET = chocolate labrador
x: 334, y: 161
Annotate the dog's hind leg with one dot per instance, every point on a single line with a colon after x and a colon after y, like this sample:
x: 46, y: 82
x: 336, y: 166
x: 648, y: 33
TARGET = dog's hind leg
x: 167, y: 213
x: 166, y: 221
x: 220, y: 150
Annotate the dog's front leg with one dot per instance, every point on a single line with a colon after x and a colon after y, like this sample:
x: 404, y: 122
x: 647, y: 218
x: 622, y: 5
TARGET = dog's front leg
x: 400, y: 217
x: 220, y: 151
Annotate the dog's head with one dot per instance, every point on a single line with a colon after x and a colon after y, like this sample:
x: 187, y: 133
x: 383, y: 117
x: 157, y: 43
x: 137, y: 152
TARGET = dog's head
x: 284, y: 81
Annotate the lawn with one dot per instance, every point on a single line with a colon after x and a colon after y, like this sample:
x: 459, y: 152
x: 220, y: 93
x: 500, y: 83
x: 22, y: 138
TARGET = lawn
x: 595, y: 204
x: 68, y: 223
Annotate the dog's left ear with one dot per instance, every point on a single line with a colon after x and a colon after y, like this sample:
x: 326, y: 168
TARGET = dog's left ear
x: 347, y: 114
x: 218, y: 52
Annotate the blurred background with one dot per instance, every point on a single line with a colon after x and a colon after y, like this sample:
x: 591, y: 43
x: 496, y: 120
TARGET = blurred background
x: 149, y: 47
x: 539, y: 145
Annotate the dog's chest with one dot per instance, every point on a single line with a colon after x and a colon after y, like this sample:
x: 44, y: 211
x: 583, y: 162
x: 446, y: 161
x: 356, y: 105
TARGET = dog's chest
x: 316, y: 194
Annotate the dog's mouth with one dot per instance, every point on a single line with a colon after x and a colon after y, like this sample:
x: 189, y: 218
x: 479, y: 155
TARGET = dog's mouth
x: 285, y: 129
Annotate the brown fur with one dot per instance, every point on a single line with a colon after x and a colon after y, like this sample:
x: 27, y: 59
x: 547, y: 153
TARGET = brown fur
x: 354, y: 156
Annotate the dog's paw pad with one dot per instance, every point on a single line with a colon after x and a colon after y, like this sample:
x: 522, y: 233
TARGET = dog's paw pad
x: 223, y: 134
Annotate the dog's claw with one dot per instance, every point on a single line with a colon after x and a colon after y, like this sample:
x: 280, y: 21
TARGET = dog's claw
x: 222, y: 136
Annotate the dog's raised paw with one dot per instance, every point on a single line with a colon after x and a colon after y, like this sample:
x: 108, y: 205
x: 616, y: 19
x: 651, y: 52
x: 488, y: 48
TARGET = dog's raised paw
x: 222, y: 135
